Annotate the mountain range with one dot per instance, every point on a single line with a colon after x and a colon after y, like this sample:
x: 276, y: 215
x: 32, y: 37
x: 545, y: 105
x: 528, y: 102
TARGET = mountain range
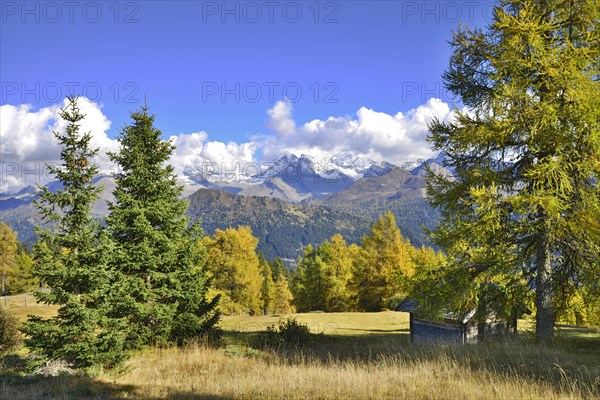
x: 289, y: 203
x: 291, y: 178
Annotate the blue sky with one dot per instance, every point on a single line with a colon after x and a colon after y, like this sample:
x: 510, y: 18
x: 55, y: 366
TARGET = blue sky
x: 219, y: 67
x: 180, y: 53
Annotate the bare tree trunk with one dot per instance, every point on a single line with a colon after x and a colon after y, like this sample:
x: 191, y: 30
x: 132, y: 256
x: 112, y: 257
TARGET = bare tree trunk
x: 544, y: 327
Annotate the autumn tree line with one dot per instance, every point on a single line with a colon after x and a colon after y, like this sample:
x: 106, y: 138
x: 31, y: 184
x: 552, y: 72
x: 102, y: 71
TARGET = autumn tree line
x: 15, y: 264
x: 332, y: 277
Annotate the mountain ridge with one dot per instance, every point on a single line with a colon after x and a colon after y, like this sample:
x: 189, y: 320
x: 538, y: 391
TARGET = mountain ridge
x: 284, y: 217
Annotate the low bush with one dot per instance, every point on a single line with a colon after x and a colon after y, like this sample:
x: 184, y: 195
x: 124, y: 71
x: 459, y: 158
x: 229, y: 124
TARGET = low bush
x: 288, y: 333
x: 10, y: 337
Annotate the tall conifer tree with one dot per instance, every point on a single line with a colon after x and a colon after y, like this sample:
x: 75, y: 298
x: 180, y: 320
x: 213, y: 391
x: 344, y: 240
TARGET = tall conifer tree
x: 162, y: 287
x: 71, y: 261
x: 524, y: 202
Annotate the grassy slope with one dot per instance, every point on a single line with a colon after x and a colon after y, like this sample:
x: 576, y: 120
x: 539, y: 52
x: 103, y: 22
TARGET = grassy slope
x: 361, y: 355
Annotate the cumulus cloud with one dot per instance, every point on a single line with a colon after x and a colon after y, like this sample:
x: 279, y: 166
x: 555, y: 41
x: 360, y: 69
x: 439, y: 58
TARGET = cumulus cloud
x: 395, y: 138
x: 281, y: 118
x: 194, y: 150
x: 27, y: 141
x: 27, y: 134
x: 27, y: 144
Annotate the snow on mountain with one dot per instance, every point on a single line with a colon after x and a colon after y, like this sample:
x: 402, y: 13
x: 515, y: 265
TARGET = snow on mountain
x: 411, y: 165
x: 288, y: 167
x: 295, y: 177
x: 378, y: 169
x: 352, y: 165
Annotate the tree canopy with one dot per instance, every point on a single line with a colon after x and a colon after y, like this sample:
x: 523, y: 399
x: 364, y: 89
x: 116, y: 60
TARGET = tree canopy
x: 522, y: 209
x: 71, y: 261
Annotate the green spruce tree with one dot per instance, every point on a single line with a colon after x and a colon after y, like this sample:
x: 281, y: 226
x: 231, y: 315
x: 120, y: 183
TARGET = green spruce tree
x: 71, y: 261
x: 161, y: 286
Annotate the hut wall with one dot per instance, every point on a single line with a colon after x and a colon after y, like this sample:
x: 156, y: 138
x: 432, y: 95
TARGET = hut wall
x: 471, y: 333
x: 425, y: 331
x: 494, y: 329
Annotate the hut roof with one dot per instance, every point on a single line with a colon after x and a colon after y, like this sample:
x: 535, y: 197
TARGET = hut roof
x: 412, y: 306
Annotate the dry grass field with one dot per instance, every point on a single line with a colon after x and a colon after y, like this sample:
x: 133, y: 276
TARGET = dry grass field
x: 358, y: 355
x: 23, y: 305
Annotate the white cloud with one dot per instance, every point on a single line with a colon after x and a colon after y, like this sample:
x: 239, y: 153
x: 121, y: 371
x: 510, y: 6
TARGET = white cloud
x: 281, y: 118
x: 26, y: 137
x: 27, y: 141
x: 195, y: 150
x: 395, y: 138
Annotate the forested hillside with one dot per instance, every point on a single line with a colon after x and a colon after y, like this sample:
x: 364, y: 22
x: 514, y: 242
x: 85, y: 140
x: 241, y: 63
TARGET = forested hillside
x: 284, y: 228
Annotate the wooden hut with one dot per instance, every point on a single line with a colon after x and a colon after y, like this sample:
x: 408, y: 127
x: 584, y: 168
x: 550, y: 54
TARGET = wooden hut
x: 458, y: 328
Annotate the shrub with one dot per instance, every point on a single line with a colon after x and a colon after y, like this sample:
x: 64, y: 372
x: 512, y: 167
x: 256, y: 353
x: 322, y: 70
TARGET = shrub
x: 10, y: 337
x: 288, y: 333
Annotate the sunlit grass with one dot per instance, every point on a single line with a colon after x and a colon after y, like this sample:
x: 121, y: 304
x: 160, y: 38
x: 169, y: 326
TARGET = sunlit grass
x: 385, y: 371
x: 22, y: 307
x: 359, y: 355
x: 351, y: 323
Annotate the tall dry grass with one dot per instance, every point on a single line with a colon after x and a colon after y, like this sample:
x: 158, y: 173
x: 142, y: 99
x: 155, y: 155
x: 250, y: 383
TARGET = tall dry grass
x: 450, y: 374
x: 366, y: 356
x: 385, y: 371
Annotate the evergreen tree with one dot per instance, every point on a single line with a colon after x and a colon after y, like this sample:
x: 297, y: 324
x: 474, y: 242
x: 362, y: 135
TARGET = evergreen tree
x: 523, y: 204
x: 71, y: 261
x: 160, y: 287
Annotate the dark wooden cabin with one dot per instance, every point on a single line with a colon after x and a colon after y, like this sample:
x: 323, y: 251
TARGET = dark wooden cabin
x: 460, y: 328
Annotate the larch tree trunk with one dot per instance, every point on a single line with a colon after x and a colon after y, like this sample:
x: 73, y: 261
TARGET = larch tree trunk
x: 544, y: 327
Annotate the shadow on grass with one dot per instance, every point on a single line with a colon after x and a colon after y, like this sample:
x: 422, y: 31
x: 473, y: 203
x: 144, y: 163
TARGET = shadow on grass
x: 565, y: 366
x: 16, y: 385
x: 579, y: 339
x: 403, y: 330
